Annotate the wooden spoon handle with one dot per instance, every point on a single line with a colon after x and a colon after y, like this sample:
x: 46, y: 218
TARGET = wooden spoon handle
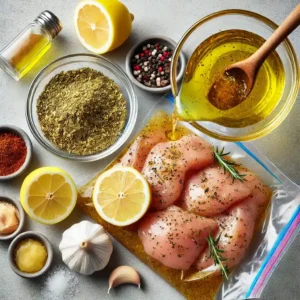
x: 288, y: 25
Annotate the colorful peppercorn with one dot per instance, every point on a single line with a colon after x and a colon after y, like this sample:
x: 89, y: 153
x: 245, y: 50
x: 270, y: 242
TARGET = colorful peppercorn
x: 151, y: 65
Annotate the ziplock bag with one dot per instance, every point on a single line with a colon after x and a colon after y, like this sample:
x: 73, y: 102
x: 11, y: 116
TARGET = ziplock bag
x: 269, y: 243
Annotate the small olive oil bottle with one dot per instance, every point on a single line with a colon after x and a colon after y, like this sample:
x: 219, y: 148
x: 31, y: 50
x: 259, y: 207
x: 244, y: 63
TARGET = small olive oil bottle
x: 30, y: 45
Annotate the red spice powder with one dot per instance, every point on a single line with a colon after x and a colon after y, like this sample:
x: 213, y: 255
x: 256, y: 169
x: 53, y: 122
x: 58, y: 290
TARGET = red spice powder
x: 13, y: 153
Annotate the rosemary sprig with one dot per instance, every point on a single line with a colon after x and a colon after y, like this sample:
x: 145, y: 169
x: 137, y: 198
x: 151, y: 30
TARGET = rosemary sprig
x: 216, y: 254
x: 228, y: 166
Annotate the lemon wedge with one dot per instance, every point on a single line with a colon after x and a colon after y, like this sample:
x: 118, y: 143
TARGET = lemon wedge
x: 102, y: 25
x: 121, y: 196
x: 48, y: 195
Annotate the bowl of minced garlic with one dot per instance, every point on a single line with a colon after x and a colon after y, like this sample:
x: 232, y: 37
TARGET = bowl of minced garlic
x: 11, y: 218
x: 30, y: 254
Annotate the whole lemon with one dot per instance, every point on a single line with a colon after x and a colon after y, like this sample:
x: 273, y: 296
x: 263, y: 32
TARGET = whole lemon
x: 102, y: 25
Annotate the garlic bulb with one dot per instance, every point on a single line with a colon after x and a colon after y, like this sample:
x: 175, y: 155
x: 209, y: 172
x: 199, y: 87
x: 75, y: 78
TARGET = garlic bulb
x: 86, y: 247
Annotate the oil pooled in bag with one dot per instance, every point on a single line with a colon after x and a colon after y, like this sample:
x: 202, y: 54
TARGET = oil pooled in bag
x: 205, y: 288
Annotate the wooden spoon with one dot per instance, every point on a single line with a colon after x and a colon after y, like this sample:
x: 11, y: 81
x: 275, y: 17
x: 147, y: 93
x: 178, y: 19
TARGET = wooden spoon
x: 236, y: 82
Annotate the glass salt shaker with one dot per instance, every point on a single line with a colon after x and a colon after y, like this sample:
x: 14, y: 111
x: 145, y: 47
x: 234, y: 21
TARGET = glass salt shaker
x: 30, y: 45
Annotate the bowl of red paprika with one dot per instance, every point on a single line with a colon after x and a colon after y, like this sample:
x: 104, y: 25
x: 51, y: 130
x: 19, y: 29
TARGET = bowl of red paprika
x: 15, y: 152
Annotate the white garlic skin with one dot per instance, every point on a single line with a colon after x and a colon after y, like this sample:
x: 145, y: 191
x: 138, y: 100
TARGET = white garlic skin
x: 86, y: 247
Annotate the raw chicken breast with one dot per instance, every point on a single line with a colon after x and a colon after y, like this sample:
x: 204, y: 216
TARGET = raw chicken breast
x: 236, y: 229
x: 175, y: 237
x: 167, y: 164
x: 211, y: 192
x: 137, y: 153
x: 261, y: 193
x: 236, y: 226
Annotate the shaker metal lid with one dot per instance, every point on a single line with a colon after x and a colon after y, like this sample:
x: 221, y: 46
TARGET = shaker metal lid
x: 50, y: 22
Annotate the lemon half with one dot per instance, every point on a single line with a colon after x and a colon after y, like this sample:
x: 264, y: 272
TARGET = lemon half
x: 102, y: 25
x: 48, y: 195
x: 121, y: 196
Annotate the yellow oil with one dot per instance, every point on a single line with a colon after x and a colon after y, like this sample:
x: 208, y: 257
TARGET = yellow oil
x: 29, y: 52
x: 209, y: 61
x: 173, y: 134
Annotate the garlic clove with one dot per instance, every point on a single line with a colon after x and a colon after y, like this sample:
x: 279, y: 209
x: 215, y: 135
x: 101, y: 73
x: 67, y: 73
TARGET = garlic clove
x: 123, y: 274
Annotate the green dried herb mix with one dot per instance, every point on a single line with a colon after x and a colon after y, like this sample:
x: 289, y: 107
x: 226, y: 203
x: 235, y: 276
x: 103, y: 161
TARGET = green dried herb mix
x: 82, y: 111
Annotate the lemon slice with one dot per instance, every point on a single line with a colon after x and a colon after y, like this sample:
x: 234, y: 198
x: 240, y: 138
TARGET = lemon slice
x: 102, y: 25
x: 48, y: 195
x: 121, y: 196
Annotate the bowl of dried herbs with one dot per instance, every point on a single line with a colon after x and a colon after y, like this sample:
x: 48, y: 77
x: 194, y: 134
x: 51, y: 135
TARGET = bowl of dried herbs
x: 81, y: 107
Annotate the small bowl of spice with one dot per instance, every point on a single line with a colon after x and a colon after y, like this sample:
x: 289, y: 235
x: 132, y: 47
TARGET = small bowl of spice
x: 81, y: 107
x: 148, y: 64
x: 15, y: 152
x: 30, y: 254
x: 11, y: 218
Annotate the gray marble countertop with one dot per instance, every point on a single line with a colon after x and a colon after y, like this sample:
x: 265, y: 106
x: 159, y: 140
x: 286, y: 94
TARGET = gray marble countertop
x: 170, y: 18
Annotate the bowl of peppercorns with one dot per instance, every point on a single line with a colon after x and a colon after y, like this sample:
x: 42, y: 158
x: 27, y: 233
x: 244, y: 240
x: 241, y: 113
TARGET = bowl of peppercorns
x: 148, y: 64
x: 15, y: 152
